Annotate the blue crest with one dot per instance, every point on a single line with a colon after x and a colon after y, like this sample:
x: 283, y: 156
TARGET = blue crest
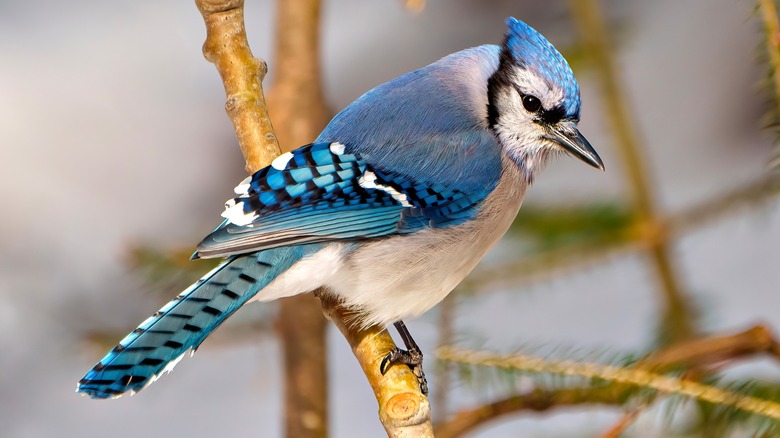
x: 530, y: 50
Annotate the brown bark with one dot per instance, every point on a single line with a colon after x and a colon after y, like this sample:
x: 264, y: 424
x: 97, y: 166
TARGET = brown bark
x: 295, y: 100
x: 298, y: 106
x: 242, y: 75
x: 403, y: 409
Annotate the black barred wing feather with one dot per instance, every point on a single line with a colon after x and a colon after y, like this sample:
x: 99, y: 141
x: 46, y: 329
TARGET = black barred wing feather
x: 320, y: 193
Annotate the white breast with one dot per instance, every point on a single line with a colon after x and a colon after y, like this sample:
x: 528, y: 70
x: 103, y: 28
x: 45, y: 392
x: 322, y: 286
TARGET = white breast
x: 404, y: 276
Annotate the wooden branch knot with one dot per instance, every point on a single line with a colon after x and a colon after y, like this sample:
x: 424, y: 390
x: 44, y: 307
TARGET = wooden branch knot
x: 405, y: 409
x: 237, y: 101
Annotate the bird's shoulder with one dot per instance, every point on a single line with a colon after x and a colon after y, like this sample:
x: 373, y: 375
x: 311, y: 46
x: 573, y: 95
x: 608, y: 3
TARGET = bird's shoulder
x: 429, y: 124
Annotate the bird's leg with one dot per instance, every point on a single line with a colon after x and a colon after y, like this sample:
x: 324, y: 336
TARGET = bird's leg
x: 412, y: 357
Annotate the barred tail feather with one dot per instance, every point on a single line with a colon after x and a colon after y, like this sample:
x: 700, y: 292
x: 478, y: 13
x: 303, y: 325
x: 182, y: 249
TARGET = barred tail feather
x: 184, y: 323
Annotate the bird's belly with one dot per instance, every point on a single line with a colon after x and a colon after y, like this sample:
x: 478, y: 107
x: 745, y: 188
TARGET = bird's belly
x: 402, y: 276
x: 405, y: 275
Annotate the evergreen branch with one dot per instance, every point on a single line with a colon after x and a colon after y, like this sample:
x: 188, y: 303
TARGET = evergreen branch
x: 593, y: 252
x: 629, y: 376
x: 751, y: 194
x: 699, y: 353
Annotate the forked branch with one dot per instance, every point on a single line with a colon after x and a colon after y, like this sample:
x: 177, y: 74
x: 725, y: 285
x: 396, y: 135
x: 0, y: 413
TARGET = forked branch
x: 403, y: 409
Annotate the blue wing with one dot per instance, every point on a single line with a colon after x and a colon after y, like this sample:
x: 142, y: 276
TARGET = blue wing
x: 321, y: 193
x: 411, y: 153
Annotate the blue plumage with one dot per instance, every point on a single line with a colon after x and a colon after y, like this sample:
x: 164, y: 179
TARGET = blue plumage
x: 388, y: 210
x: 320, y: 195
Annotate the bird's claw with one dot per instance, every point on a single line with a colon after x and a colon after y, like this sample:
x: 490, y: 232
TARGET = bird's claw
x: 411, y: 358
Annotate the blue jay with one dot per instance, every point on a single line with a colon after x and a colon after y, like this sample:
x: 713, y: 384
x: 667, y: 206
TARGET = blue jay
x: 388, y: 210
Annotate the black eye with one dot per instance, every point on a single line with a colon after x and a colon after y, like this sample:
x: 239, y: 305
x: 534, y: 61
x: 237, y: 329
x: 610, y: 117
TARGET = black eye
x: 531, y: 103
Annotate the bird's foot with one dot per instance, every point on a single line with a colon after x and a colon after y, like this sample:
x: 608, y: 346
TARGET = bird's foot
x: 412, y: 358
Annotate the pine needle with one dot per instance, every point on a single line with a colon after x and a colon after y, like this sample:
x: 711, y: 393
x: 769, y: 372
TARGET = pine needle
x: 630, y: 376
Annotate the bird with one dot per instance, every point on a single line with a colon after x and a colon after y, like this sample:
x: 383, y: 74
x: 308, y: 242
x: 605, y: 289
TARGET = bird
x: 386, y: 211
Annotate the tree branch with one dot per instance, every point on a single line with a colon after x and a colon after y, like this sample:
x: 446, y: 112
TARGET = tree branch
x: 242, y: 74
x: 297, y: 105
x: 403, y: 409
x: 689, y: 354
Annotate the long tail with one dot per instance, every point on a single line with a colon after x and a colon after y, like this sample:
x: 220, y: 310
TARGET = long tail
x: 160, y: 341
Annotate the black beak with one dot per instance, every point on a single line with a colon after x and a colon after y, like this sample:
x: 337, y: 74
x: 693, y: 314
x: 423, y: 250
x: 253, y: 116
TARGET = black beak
x: 574, y: 143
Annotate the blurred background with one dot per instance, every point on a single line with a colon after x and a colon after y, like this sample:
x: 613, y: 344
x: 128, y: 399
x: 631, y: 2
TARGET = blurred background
x: 116, y: 153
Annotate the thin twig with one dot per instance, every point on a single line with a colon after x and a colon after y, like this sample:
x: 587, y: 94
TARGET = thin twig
x: 626, y: 420
x: 588, y: 253
x: 712, y: 350
x: 537, y: 400
x: 446, y: 328
x: 677, y: 316
x: 749, y: 195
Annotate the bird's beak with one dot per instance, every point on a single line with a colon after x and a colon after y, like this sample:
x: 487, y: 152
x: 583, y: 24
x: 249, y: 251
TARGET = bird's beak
x: 571, y: 140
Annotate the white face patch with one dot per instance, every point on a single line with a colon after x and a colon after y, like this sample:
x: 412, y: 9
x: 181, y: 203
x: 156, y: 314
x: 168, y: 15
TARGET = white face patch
x: 550, y: 95
x: 368, y: 181
x: 519, y: 134
x: 528, y: 149
x: 234, y: 213
x: 337, y: 148
x: 521, y: 137
x: 243, y: 187
x: 280, y: 162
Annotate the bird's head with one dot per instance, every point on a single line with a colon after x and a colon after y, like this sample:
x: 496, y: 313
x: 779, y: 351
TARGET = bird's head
x: 534, y: 101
